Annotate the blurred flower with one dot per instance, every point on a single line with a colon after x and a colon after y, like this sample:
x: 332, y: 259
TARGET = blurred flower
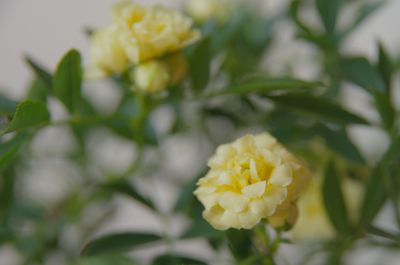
x: 152, y: 76
x: 202, y: 10
x: 251, y: 179
x: 313, y: 222
x: 106, y: 53
x: 177, y: 67
x: 151, y: 32
x: 138, y: 34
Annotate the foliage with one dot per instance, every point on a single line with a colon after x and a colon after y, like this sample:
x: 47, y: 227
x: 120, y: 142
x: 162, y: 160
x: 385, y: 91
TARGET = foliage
x: 227, y: 86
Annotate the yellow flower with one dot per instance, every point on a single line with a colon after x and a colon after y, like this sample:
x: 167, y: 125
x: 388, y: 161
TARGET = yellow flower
x: 251, y: 179
x: 106, y: 54
x: 313, y: 222
x: 151, y: 32
x: 202, y: 10
x: 152, y: 76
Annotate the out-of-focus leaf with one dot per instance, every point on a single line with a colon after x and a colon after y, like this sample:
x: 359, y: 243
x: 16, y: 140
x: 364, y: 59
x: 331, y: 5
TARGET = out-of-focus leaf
x: 268, y: 85
x: 37, y: 90
x: 363, y: 13
x: 320, y: 108
x: 67, y: 81
x: 375, y: 193
x: 118, y: 242
x: 385, y: 109
x: 385, y: 67
x: 124, y: 187
x: 359, y: 71
x: 328, y: 12
x: 176, y: 260
x: 239, y: 243
x: 106, y: 260
x: 28, y: 114
x: 339, y: 142
x: 201, y: 228
x: 41, y: 73
x: 7, y: 106
x: 8, y: 150
x: 200, y: 61
x: 333, y: 200
x: 186, y: 201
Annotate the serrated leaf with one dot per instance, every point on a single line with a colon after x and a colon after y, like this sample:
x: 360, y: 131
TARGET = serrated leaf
x: 176, y: 260
x: 7, y: 106
x: 124, y: 187
x: 200, y: 61
x: 359, y: 71
x: 67, y: 81
x: 320, y: 108
x: 41, y: 73
x: 339, y: 142
x: 268, y: 85
x: 118, y: 242
x: 334, y: 201
x: 28, y: 114
x: 328, y: 12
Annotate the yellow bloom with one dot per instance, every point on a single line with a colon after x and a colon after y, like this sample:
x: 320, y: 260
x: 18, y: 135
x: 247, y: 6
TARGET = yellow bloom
x: 152, y: 76
x: 151, y: 32
x: 202, y: 10
x: 313, y: 222
x: 106, y: 53
x: 251, y: 179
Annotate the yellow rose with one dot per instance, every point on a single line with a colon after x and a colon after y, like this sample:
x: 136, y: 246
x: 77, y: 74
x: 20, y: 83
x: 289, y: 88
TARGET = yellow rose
x: 251, y: 179
x: 151, y: 32
x: 106, y: 53
x: 202, y: 10
x: 313, y: 222
x: 152, y: 76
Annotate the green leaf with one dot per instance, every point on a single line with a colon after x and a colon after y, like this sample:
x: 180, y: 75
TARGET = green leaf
x: 37, y: 91
x: 359, y: 71
x: 375, y: 193
x: 339, y: 142
x: 201, y: 228
x: 385, y: 108
x: 176, y: 260
x: 9, y: 150
x: 319, y: 107
x: 239, y: 243
x: 385, y: 67
x: 268, y: 85
x: 374, y: 197
x: 124, y: 187
x: 186, y: 201
x: 118, y: 242
x: 334, y: 202
x: 67, y: 81
x: 200, y: 61
x: 106, y: 260
x: 41, y: 73
x: 363, y: 13
x: 7, y: 106
x: 29, y: 114
x: 328, y: 12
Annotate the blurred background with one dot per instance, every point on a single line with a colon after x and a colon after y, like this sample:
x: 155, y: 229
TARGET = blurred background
x: 45, y: 29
